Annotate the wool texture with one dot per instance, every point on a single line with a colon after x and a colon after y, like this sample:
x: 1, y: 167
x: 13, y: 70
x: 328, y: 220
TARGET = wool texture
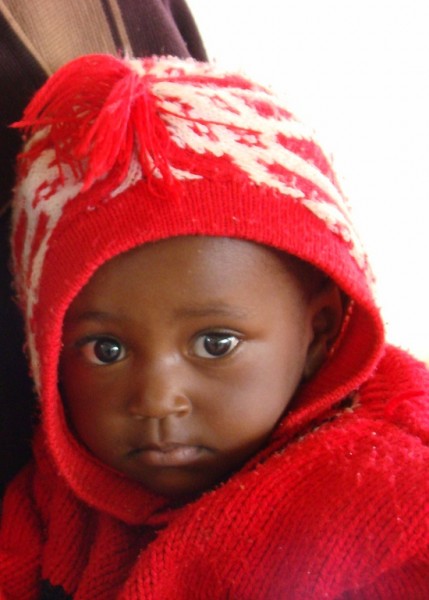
x: 120, y: 153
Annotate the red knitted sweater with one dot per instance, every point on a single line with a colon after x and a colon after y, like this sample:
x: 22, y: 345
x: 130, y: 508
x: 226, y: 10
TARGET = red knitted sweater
x: 338, y: 509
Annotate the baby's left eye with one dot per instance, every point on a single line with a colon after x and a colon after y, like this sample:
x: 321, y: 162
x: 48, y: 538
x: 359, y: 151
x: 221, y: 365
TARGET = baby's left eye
x: 215, y: 345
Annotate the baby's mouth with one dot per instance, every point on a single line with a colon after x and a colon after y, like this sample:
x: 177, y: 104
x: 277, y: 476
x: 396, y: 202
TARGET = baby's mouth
x: 169, y: 455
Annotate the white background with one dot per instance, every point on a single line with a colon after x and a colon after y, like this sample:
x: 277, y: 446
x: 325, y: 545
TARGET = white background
x: 358, y: 72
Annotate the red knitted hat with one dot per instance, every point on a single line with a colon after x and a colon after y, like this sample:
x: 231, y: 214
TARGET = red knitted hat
x: 122, y: 152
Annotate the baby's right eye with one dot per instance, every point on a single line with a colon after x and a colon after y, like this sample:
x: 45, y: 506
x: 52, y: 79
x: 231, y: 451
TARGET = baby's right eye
x: 103, y: 350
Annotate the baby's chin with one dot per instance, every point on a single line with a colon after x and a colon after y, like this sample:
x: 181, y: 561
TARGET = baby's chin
x: 178, y: 486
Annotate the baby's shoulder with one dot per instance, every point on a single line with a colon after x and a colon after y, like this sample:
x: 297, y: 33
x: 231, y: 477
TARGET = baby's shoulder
x: 398, y: 396
x: 373, y: 443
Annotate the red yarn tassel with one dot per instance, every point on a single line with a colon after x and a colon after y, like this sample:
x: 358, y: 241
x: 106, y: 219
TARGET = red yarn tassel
x: 100, y: 111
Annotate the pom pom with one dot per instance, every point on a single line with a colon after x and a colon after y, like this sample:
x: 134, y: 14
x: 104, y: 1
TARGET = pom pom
x: 97, y: 112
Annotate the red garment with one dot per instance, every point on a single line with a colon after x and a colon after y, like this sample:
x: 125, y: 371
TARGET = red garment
x: 336, y: 505
x: 338, y: 509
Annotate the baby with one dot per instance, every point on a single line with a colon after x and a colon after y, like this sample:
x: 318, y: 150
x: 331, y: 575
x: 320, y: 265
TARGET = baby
x: 220, y: 416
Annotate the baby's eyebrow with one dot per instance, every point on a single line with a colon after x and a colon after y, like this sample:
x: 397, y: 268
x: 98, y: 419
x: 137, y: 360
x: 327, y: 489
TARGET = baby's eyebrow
x: 91, y: 315
x: 186, y: 312
x: 221, y: 310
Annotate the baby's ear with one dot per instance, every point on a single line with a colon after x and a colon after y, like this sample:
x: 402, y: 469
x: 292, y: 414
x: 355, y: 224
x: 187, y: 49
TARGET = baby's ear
x: 327, y: 311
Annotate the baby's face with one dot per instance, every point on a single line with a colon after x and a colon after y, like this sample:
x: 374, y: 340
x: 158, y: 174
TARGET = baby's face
x: 180, y: 358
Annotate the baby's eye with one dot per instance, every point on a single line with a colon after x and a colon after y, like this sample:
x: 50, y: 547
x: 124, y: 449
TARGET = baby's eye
x: 103, y: 350
x: 215, y: 345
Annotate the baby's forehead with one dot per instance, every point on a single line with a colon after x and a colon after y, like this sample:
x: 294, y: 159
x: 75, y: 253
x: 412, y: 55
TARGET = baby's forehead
x: 207, y: 269
x: 202, y: 252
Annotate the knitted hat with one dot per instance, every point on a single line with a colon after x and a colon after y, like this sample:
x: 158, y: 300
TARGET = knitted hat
x: 122, y: 152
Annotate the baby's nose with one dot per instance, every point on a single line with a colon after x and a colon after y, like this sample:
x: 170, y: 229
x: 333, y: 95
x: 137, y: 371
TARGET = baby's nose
x: 159, y: 391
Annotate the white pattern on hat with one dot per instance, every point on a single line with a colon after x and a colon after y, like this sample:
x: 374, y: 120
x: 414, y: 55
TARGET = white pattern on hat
x: 44, y: 174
